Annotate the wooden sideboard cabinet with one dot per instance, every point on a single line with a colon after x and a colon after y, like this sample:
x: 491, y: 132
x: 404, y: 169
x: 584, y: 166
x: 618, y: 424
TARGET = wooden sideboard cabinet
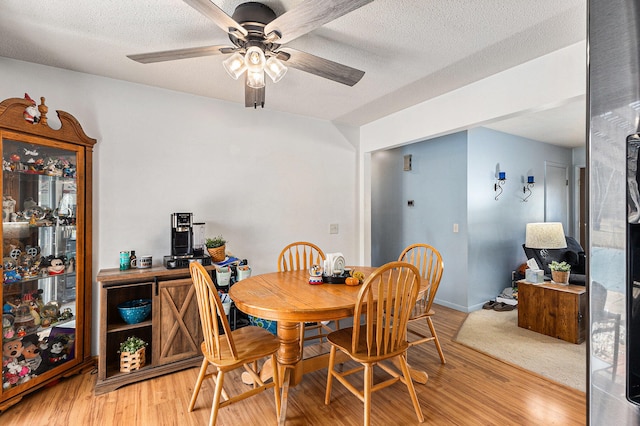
x: 553, y: 309
x: 172, y: 331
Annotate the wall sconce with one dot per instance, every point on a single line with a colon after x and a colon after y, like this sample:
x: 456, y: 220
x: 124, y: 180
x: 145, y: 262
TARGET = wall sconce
x: 502, y: 178
x: 527, y: 188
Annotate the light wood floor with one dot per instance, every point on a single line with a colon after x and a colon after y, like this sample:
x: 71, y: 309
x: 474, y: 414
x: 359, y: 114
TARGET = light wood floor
x: 471, y: 389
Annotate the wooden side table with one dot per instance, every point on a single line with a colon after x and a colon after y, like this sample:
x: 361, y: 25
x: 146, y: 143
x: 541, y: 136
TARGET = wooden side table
x: 553, y: 309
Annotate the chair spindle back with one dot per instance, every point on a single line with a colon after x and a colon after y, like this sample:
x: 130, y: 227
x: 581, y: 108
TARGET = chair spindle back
x: 384, y: 304
x: 210, y: 308
x: 429, y: 263
x: 300, y: 256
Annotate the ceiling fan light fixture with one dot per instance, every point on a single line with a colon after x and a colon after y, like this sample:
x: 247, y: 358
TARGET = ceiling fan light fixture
x: 257, y: 33
x: 275, y: 69
x: 254, y: 59
x: 255, y: 79
x: 235, y: 65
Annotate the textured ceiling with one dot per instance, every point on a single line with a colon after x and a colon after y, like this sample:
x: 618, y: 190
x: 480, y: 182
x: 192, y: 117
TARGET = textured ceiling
x: 411, y: 51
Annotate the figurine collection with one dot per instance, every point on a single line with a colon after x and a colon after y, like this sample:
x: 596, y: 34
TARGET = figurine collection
x: 26, y: 350
x: 32, y: 162
x: 27, y: 262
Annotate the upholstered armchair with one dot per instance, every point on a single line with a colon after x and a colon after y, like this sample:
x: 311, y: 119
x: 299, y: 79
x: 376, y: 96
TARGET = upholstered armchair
x: 573, y: 254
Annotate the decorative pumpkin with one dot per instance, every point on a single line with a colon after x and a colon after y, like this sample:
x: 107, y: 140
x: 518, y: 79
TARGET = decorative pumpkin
x: 352, y: 281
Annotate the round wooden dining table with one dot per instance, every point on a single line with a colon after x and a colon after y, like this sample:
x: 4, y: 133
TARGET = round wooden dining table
x: 288, y: 298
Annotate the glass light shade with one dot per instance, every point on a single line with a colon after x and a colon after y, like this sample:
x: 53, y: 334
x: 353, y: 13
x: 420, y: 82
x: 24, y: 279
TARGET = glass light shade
x: 235, y: 65
x: 255, y: 79
x: 546, y: 235
x: 254, y: 59
x: 275, y: 69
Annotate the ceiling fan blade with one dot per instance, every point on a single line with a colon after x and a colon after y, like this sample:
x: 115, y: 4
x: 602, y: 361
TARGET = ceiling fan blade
x: 218, y: 16
x: 308, y: 16
x: 253, y: 97
x: 172, y: 55
x: 320, y: 66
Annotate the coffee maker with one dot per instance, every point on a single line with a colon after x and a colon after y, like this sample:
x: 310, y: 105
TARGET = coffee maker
x: 187, y: 242
x: 182, y: 234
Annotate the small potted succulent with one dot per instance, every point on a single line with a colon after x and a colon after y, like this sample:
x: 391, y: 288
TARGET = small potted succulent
x: 560, y: 272
x: 216, y: 248
x: 132, y: 354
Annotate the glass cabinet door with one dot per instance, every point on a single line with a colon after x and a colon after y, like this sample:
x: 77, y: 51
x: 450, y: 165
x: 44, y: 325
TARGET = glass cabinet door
x: 39, y: 230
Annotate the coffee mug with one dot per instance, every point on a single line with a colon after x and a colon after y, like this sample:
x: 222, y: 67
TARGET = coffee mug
x: 141, y: 262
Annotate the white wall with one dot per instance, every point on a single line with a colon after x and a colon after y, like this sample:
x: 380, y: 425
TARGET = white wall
x: 261, y: 179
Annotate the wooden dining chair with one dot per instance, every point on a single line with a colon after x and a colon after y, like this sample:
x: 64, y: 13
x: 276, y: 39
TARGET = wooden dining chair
x: 429, y: 262
x: 382, y: 311
x: 297, y: 256
x: 228, y: 350
x: 605, y: 328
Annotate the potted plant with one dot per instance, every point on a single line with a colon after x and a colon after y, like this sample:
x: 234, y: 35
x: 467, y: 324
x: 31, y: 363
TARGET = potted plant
x: 216, y: 248
x: 560, y: 272
x: 132, y: 354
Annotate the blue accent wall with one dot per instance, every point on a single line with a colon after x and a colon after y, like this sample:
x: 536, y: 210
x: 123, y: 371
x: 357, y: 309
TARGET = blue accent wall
x: 437, y: 184
x: 452, y: 182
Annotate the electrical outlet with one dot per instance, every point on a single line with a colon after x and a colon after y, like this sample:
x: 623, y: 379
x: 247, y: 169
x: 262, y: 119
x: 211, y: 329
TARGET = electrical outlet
x: 333, y: 228
x: 410, y: 203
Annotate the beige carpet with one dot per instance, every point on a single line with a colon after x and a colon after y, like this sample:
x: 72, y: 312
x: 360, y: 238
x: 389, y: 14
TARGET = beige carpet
x: 497, y: 334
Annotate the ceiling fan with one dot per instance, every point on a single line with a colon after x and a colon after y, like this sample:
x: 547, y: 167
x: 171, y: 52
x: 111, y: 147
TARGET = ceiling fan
x: 258, y: 37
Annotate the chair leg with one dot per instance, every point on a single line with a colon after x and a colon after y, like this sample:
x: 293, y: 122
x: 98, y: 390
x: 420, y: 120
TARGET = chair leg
x: 285, y: 395
x: 196, y: 388
x: 321, y: 332
x: 255, y: 368
x: 616, y: 342
x: 303, y: 329
x: 435, y: 338
x: 368, y: 380
x: 332, y: 360
x: 410, y: 387
x: 216, y: 398
x: 276, y: 387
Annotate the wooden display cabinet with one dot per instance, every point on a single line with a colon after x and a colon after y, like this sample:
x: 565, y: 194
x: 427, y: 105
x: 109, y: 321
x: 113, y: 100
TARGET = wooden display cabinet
x: 172, y: 331
x: 46, y: 251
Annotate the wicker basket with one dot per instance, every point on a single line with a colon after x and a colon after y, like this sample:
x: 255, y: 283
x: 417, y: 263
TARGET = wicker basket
x: 217, y: 254
x: 132, y: 361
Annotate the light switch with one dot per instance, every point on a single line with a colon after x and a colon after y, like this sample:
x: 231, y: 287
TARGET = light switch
x: 455, y: 227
